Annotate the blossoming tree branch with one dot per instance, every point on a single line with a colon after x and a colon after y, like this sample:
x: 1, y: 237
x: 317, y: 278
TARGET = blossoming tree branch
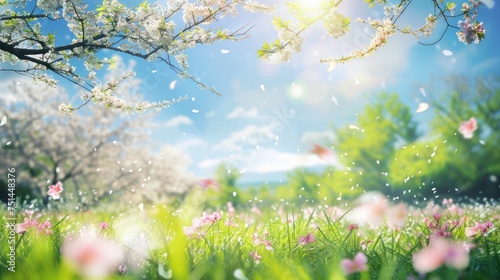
x: 146, y: 32
x: 308, y: 13
x: 162, y: 33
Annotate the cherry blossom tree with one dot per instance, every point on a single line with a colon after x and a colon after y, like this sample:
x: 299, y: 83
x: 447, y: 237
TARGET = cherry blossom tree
x: 305, y: 14
x: 96, y: 154
x: 153, y: 32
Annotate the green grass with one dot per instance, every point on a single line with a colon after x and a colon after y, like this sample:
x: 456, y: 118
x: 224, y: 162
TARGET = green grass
x: 154, y: 245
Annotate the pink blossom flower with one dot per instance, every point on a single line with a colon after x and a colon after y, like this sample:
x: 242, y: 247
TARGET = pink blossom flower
x: 55, y: 190
x: 309, y: 238
x: 396, y: 216
x: 467, y: 128
x: 255, y: 256
x: 104, y: 225
x: 92, y: 256
x: 205, y: 183
x: 478, y: 228
x: 359, y: 263
x: 440, y: 252
x: 352, y: 227
x: 44, y: 227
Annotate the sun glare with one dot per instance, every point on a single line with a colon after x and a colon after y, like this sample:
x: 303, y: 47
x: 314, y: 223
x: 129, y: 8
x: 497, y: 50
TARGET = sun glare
x: 310, y: 7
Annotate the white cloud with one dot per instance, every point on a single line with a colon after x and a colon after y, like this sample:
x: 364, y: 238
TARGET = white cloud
x: 177, y: 121
x: 191, y: 144
x: 246, y: 139
x: 271, y: 160
x: 319, y: 137
x: 240, y: 112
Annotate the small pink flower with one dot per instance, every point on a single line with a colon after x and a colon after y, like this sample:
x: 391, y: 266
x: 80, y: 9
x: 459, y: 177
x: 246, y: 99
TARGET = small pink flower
x: 29, y: 213
x: 55, y: 190
x: 467, y: 128
x: 396, y: 216
x: 255, y: 256
x: 92, y: 256
x: 352, y: 227
x: 122, y: 269
x: 440, y: 252
x: 359, y: 263
x: 205, y: 183
x: 104, y: 225
x: 309, y: 238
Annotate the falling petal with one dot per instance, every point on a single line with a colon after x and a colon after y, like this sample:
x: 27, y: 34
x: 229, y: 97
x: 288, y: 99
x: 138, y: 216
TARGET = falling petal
x: 331, y: 66
x: 493, y: 178
x: 172, y: 84
x: 263, y: 88
x: 422, y: 107
x: 422, y: 91
x: 356, y: 81
x: 3, y: 121
x: 154, y: 71
x: 234, y: 194
x: 224, y: 51
x: 489, y: 3
x: 8, y: 143
x: 238, y: 274
x: 163, y: 273
x: 193, y: 99
x: 141, y: 207
x: 351, y: 126
x: 243, y: 171
x: 447, y: 52
x: 334, y: 99
x: 195, y: 111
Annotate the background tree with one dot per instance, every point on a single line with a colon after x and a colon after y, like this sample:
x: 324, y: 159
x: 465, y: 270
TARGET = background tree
x: 366, y: 148
x: 152, y: 32
x: 472, y: 164
x: 96, y: 155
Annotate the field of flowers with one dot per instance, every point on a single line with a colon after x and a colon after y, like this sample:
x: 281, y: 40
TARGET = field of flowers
x: 369, y: 238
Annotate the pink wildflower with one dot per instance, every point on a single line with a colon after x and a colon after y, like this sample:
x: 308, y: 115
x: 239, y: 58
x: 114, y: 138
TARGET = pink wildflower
x: 352, y: 227
x: 438, y: 253
x: 255, y: 256
x: 309, y: 238
x: 467, y: 128
x: 478, y: 228
x: 104, y: 225
x: 396, y: 216
x: 357, y: 264
x: 92, y: 256
x: 55, y: 190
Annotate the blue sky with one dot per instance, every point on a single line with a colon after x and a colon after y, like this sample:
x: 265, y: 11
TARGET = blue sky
x: 269, y: 115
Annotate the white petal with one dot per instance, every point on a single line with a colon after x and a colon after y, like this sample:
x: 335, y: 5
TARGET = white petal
x: 224, y: 51
x: 422, y: 107
x: 3, y: 121
x: 172, y: 84
x: 447, y: 52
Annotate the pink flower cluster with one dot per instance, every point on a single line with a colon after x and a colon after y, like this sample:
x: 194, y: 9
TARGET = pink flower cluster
x: 436, y: 228
x: 478, y: 228
x: 358, y: 264
x: 197, y: 226
x: 262, y: 241
x: 309, y: 238
x: 439, y: 252
x: 30, y: 222
x: 470, y: 30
